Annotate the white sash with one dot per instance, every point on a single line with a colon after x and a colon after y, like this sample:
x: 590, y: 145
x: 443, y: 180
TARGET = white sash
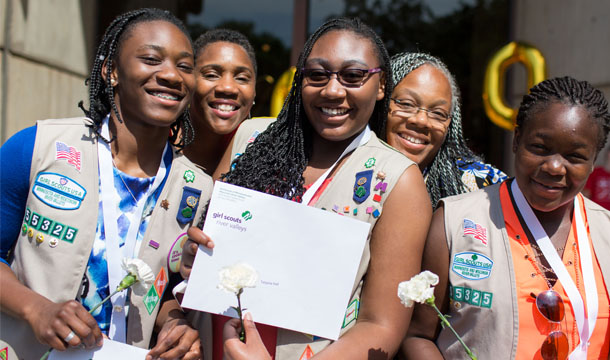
x: 359, y: 140
x: 585, y: 322
x: 114, y: 255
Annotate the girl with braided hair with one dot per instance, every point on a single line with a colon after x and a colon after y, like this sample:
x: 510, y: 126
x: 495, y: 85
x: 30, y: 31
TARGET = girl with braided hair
x: 425, y: 124
x: 523, y: 265
x: 321, y: 152
x: 90, y: 191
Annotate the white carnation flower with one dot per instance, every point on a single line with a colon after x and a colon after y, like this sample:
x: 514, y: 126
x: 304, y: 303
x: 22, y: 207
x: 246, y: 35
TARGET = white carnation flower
x: 419, y: 289
x: 236, y: 277
x: 142, y: 274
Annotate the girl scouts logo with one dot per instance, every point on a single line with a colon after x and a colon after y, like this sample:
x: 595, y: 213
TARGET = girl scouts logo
x: 58, y: 191
x: 362, y: 187
x: 472, y: 265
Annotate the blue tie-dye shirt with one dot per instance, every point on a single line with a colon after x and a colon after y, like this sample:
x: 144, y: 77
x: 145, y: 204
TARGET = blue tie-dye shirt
x: 95, y: 285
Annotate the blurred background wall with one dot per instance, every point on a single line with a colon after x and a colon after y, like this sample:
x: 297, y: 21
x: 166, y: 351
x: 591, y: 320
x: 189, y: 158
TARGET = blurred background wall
x: 47, y: 46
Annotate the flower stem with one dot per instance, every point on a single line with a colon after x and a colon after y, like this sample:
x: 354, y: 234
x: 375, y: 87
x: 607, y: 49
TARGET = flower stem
x: 447, y: 324
x: 242, y: 332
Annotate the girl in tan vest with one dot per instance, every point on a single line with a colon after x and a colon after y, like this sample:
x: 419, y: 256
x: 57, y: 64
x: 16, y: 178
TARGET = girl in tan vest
x: 102, y: 188
x: 341, y: 89
x: 523, y: 265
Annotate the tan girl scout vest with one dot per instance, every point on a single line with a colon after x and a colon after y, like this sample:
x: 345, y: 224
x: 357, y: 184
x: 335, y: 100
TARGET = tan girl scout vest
x: 385, y: 165
x: 59, y: 227
x: 483, y: 306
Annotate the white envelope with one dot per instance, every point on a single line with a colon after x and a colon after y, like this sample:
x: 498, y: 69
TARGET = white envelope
x: 111, y: 350
x: 306, y: 259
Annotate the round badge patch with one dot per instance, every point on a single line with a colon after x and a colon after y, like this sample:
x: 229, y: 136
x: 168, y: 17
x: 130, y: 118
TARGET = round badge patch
x: 175, y: 253
x: 191, y: 201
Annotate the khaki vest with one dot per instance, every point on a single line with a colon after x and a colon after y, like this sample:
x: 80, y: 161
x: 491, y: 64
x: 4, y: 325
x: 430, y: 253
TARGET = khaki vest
x: 489, y: 325
x: 338, y: 195
x: 56, y: 271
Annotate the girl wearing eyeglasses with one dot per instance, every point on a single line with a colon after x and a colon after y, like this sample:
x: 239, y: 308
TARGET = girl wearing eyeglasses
x: 340, y: 93
x: 523, y: 265
x: 425, y: 124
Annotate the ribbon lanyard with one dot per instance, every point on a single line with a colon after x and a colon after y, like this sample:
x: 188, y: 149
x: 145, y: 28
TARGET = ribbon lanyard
x: 586, y: 324
x: 361, y: 139
x: 114, y: 254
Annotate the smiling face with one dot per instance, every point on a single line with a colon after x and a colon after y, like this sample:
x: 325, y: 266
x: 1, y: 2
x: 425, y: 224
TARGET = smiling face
x: 337, y: 112
x: 225, y: 87
x: 153, y: 74
x: 555, y: 151
x: 418, y: 136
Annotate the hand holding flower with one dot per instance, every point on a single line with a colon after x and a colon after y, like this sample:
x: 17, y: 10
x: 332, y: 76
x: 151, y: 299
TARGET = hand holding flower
x: 420, y: 289
x: 139, y: 275
x: 235, y: 348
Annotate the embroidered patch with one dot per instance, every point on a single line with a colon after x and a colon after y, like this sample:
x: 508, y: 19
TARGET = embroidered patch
x: 377, y: 198
x: 362, y: 186
x: 307, y: 354
x: 370, y: 163
x: 46, y: 225
x: 4, y: 353
x: 189, y: 176
x: 188, y: 204
x: 346, y: 209
x: 175, y: 253
x: 161, y: 282
x: 351, y: 314
x: 151, y: 300
x: 58, y: 191
x: 476, y: 230
x: 471, y: 296
x: 153, y: 244
x: 472, y: 265
x: 355, y: 212
x: 69, y: 153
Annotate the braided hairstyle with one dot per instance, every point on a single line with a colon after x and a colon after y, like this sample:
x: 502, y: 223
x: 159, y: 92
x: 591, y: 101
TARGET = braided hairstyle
x: 443, y: 177
x: 226, y: 35
x: 275, y: 162
x: 568, y: 91
x: 101, y: 93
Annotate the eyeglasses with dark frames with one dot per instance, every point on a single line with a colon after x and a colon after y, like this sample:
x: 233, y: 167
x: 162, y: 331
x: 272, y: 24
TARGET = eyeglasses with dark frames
x: 347, y: 77
x: 409, y: 108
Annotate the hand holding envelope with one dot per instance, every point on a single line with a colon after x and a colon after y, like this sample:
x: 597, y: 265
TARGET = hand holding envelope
x: 307, y: 259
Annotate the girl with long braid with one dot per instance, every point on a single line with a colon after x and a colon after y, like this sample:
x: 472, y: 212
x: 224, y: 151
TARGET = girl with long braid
x: 523, y: 265
x: 321, y: 152
x: 425, y: 124
x: 87, y: 192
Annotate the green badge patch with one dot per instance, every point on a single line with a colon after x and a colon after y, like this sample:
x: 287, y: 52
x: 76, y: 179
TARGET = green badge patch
x: 351, y: 314
x: 46, y: 225
x: 151, y: 300
x: 189, y: 176
x: 370, y: 163
x: 471, y: 296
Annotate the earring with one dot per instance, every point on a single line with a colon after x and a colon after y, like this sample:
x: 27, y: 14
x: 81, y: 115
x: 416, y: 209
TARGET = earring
x: 112, y: 82
x: 253, y: 102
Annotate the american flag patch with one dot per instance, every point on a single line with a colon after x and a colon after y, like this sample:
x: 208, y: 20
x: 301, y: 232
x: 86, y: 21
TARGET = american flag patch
x: 69, y: 153
x: 476, y: 230
x: 253, y: 137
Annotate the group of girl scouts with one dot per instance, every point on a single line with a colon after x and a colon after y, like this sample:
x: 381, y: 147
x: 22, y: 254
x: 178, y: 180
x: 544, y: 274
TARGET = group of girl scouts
x: 520, y: 260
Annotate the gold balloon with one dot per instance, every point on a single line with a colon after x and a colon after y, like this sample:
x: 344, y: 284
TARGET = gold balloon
x: 493, y: 87
x: 281, y: 90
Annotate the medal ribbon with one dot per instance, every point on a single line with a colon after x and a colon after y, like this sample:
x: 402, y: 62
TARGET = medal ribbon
x: 114, y: 254
x: 586, y: 322
x: 363, y: 138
